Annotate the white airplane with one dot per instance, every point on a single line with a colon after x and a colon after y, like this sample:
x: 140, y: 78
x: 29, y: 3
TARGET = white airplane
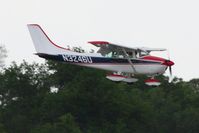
x: 124, y: 62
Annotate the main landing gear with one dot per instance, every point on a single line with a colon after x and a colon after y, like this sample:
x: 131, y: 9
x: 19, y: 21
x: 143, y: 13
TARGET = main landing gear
x: 152, y: 82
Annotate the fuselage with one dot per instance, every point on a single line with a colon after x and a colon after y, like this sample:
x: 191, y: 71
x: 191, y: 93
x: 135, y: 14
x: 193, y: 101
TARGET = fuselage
x: 149, y: 65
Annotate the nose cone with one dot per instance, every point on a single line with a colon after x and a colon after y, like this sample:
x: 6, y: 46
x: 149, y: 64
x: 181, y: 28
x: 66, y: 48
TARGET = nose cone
x: 168, y: 63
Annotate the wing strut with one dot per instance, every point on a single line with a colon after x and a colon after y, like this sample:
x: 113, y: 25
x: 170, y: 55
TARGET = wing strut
x: 129, y: 60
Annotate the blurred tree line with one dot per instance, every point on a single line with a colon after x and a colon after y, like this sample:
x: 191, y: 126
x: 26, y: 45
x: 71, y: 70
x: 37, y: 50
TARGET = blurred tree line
x: 86, y: 102
x: 3, y: 55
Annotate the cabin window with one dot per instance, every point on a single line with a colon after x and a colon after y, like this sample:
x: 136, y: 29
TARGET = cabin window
x: 109, y: 55
x: 115, y: 54
x: 131, y: 54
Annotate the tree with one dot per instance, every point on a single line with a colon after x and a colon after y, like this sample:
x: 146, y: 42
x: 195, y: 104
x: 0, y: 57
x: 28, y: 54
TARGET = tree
x: 87, y: 102
x: 194, y: 84
x: 3, y: 55
x: 64, y: 124
x: 22, y: 88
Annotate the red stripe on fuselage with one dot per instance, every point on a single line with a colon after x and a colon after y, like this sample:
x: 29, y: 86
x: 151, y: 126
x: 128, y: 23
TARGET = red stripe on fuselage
x: 115, y: 64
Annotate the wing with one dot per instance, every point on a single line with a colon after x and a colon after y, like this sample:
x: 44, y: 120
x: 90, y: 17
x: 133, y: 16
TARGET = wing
x: 106, y: 47
x: 152, y: 49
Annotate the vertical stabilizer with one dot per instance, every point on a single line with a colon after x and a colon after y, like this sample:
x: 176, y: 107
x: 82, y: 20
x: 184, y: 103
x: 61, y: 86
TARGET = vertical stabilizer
x: 42, y: 42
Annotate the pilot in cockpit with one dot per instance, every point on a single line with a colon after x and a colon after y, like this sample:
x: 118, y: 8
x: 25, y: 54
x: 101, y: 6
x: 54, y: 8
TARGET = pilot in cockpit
x: 130, y: 54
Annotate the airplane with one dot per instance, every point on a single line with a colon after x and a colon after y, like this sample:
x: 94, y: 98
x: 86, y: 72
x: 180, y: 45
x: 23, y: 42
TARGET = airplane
x: 124, y: 62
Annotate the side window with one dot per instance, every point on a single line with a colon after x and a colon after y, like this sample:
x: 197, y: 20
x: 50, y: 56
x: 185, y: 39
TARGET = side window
x: 115, y: 54
x: 109, y: 54
x: 130, y: 54
x: 137, y: 54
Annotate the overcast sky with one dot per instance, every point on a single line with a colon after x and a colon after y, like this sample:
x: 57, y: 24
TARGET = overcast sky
x: 171, y: 24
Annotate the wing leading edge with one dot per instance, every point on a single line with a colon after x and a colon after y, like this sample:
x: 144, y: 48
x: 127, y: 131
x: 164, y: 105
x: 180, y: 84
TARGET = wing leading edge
x: 107, y: 47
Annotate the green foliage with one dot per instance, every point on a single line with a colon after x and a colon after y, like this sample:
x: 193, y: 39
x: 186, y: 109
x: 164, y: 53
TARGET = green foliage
x: 65, y: 124
x: 3, y: 55
x: 86, y: 102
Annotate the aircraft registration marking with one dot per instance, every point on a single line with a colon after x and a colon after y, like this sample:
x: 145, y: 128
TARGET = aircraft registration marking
x: 77, y: 59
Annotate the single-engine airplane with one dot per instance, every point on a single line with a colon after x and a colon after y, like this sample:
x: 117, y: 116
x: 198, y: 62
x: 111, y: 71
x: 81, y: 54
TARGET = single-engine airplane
x: 124, y: 62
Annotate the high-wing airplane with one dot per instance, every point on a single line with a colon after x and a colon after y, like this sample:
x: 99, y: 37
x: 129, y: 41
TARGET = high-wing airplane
x: 124, y: 62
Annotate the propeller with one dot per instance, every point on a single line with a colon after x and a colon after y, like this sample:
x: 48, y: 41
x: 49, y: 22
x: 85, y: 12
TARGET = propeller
x: 169, y: 63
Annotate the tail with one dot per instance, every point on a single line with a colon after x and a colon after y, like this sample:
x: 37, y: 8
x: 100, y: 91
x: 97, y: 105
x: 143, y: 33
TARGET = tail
x: 42, y: 42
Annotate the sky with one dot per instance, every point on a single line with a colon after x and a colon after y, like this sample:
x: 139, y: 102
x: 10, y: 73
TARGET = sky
x: 171, y: 24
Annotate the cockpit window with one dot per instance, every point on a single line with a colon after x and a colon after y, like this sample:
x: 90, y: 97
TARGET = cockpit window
x: 142, y: 53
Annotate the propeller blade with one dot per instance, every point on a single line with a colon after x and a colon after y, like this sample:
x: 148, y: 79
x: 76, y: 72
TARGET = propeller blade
x: 170, y: 70
x: 170, y: 77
